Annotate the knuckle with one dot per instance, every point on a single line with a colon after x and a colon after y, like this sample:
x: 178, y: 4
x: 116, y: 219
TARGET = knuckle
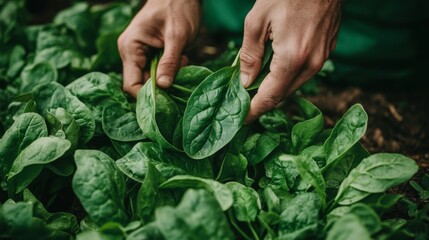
x: 248, y: 58
x: 270, y: 101
x: 168, y: 63
x: 316, y: 63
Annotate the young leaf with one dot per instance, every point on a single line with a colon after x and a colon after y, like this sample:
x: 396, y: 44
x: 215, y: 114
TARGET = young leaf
x: 246, y: 204
x: 150, y: 196
x: 346, y: 133
x: 26, y: 129
x: 305, y: 132
x: 168, y: 163
x: 157, y: 114
x: 215, y: 112
x: 348, y: 227
x: 53, y: 95
x: 121, y: 125
x: 375, y: 174
x: 147, y: 232
x: 186, y: 80
x: 334, y: 174
x: 310, y: 172
x: 97, y: 91
x: 258, y: 146
x: 99, y: 186
x: 221, y: 192
x: 300, y: 217
x: 198, y: 216
x: 30, y: 161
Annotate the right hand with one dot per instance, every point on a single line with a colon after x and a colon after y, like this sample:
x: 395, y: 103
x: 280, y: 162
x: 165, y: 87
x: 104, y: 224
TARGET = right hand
x: 168, y: 24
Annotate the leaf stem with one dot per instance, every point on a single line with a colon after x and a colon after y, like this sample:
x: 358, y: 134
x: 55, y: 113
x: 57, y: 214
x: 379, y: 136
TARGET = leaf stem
x: 266, y: 225
x: 236, y: 59
x: 177, y: 99
x: 181, y: 88
x: 237, y: 227
x: 255, y: 235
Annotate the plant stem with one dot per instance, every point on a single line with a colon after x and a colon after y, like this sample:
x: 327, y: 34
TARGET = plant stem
x: 255, y: 235
x: 265, y: 224
x: 181, y: 88
x: 237, y: 227
x: 236, y: 59
x: 177, y: 99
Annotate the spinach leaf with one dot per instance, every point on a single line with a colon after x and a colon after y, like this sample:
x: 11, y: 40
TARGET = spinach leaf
x: 16, y: 219
x: 186, y: 80
x: 346, y: 133
x: 246, y: 204
x: 310, y: 173
x: 62, y: 222
x: 233, y: 168
x: 98, y: 91
x: 221, y: 192
x: 348, y: 227
x: 30, y: 161
x: 53, y: 95
x: 215, y: 112
x: 259, y: 145
x: 150, y: 196
x: 61, y: 120
x: 27, y: 128
x: 121, y: 125
x: 198, y: 216
x: 168, y: 163
x: 305, y: 132
x: 281, y: 173
x: 157, y: 114
x: 336, y: 173
x: 147, y: 232
x: 38, y: 73
x: 276, y: 121
x: 375, y: 174
x: 99, y: 186
x: 300, y: 218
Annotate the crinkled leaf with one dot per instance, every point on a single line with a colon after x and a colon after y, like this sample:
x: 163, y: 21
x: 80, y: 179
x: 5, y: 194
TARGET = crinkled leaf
x: 26, y: 129
x: 300, y: 218
x: 121, y: 125
x: 215, y: 112
x: 100, y: 187
x: 346, y: 133
x: 198, y: 216
x: 246, y: 204
x: 53, y: 95
x: 258, y: 146
x: 168, y: 163
x: 30, y: 161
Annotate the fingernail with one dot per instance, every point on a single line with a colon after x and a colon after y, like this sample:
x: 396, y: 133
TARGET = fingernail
x: 164, y: 81
x: 244, y: 78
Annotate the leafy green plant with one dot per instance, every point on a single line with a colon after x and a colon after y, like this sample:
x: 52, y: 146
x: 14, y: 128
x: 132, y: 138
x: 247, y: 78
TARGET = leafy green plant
x: 178, y: 163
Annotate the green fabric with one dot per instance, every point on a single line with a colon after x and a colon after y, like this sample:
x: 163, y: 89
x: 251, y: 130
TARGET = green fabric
x: 378, y: 41
x: 222, y: 16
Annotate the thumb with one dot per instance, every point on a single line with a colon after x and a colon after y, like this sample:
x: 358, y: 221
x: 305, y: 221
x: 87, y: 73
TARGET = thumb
x: 251, y: 52
x: 169, y: 63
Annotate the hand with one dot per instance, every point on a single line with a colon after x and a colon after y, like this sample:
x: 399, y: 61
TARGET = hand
x: 303, y: 35
x: 168, y: 24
